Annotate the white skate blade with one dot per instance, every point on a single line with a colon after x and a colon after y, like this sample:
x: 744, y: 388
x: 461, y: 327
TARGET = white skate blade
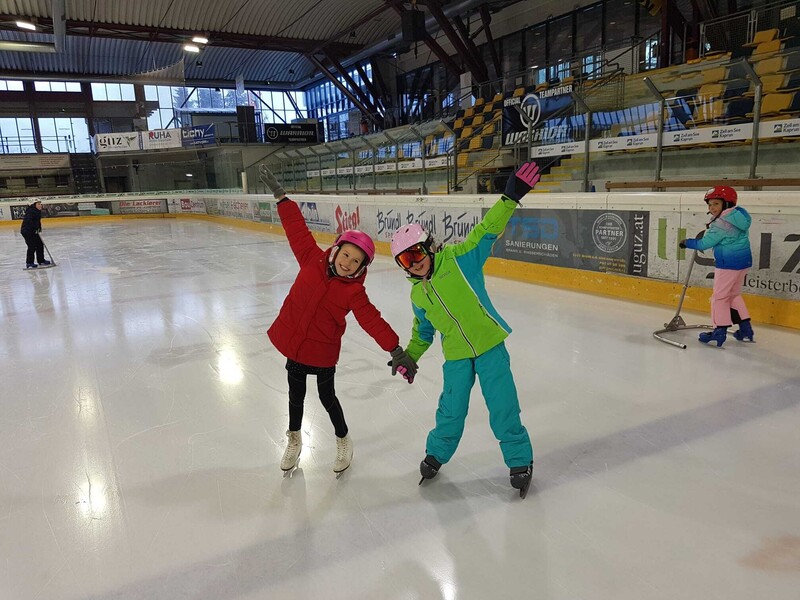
x: 39, y: 268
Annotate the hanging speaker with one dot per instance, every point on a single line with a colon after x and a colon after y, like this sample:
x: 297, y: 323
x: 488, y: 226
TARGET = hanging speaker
x: 413, y: 26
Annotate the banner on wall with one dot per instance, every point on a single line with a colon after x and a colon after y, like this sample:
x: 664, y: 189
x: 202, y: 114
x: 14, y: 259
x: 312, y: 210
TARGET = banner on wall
x: 267, y: 212
x: 447, y: 225
x: 30, y: 162
x: 239, y: 209
x: 186, y: 206
x: 158, y: 139
x: 50, y: 210
x: 198, y: 135
x: 290, y: 133
x: 116, y: 142
x: 590, y: 240
x: 141, y: 207
x: 318, y: 215
x: 534, y: 108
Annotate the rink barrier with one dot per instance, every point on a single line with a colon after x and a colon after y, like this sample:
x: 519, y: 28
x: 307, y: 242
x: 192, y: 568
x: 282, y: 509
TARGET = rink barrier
x: 622, y: 245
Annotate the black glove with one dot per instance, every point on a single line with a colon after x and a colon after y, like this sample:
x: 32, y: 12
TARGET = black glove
x: 272, y: 183
x: 522, y: 181
x: 682, y: 244
x: 402, y: 363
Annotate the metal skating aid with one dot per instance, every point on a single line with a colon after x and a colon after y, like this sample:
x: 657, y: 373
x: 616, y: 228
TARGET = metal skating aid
x: 677, y: 323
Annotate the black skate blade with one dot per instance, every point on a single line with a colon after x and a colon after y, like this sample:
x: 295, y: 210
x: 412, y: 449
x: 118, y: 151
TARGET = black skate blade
x: 524, y: 491
x: 420, y: 481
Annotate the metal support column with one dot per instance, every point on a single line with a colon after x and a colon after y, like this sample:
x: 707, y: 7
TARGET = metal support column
x: 374, y: 163
x: 587, y: 138
x: 396, y: 159
x: 423, y: 154
x: 662, y: 106
x: 753, y: 76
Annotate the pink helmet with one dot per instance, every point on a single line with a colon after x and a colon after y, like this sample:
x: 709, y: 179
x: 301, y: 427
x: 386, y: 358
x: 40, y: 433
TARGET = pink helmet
x: 360, y: 240
x: 407, y: 236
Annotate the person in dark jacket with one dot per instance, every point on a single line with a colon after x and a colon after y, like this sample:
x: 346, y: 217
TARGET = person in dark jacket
x: 31, y: 226
x: 311, y: 322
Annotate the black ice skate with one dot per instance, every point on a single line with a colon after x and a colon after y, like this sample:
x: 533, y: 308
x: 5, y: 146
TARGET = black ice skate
x: 521, y: 479
x: 428, y: 468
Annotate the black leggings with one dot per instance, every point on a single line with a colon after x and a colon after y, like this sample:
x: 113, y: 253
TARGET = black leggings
x: 327, y: 394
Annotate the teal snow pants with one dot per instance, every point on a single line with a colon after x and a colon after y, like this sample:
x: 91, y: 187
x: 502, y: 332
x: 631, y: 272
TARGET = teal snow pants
x: 493, y: 368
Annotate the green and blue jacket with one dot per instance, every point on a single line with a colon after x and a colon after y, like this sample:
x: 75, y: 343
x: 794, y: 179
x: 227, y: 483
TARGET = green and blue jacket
x: 454, y: 301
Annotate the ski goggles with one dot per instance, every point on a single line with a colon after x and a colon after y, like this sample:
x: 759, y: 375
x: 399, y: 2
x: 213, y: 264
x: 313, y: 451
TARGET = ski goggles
x: 411, y: 255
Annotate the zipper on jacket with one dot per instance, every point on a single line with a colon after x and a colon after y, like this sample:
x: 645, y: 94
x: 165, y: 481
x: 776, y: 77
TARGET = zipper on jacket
x: 444, y: 306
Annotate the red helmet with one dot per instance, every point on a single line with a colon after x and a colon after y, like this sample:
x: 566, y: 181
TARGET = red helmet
x: 721, y: 192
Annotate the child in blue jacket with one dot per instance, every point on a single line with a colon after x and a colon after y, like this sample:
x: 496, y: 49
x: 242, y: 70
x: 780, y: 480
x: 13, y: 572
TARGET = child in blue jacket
x: 728, y: 234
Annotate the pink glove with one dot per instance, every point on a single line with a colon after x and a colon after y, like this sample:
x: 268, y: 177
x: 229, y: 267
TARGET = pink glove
x: 406, y: 375
x: 522, y: 181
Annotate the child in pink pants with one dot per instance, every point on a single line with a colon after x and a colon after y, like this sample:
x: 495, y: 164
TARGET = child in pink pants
x: 728, y: 235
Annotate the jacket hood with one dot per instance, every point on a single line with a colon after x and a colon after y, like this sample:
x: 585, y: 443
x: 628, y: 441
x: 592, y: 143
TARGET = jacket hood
x: 738, y: 217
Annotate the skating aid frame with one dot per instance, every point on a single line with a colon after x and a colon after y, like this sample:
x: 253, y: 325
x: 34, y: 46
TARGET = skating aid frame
x: 677, y: 323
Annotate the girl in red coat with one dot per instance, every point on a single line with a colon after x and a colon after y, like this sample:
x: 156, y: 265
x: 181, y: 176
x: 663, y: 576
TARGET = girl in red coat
x: 311, y: 322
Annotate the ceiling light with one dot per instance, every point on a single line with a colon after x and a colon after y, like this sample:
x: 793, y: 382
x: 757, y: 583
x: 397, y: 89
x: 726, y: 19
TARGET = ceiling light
x: 199, y: 39
x: 191, y: 48
x: 26, y: 25
x: 189, y: 175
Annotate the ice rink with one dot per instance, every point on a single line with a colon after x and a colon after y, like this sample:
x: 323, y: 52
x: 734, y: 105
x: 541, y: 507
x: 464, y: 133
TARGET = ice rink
x: 144, y: 413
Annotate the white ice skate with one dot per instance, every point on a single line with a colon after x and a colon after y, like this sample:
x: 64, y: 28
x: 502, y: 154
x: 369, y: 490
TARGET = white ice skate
x: 344, y: 455
x: 291, y: 455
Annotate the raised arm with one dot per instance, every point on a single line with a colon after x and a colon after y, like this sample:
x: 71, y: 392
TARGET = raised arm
x: 302, y: 243
x: 496, y: 219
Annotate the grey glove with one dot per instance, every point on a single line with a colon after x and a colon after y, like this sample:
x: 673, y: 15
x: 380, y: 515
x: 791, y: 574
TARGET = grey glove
x: 272, y: 183
x: 401, y: 362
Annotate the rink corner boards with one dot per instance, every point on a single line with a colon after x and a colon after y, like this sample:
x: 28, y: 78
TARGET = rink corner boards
x: 764, y: 309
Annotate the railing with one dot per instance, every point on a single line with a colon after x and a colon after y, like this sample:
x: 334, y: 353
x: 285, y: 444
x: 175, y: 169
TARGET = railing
x: 65, y: 144
x: 731, y: 32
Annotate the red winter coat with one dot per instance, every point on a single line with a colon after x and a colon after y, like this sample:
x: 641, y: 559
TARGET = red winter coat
x: 311, y: 322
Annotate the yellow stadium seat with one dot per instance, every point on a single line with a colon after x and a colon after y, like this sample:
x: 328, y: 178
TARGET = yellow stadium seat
x: 766, y: 48
x: 774, y: 104
x: 714, y: 75
x: 766, y: 35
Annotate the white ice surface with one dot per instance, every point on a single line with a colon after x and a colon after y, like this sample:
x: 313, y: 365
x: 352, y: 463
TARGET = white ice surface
x: 142, y: 421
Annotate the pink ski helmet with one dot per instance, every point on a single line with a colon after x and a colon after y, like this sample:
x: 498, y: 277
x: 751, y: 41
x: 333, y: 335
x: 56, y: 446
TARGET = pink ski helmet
x: 360, y: 240
x: 407, y: 236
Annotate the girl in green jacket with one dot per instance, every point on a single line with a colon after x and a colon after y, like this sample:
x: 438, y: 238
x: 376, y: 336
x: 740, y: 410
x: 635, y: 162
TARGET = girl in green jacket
x: 448, y: 295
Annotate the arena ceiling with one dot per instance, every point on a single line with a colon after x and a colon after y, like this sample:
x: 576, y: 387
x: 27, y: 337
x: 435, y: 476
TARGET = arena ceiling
x: 265, y: 43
